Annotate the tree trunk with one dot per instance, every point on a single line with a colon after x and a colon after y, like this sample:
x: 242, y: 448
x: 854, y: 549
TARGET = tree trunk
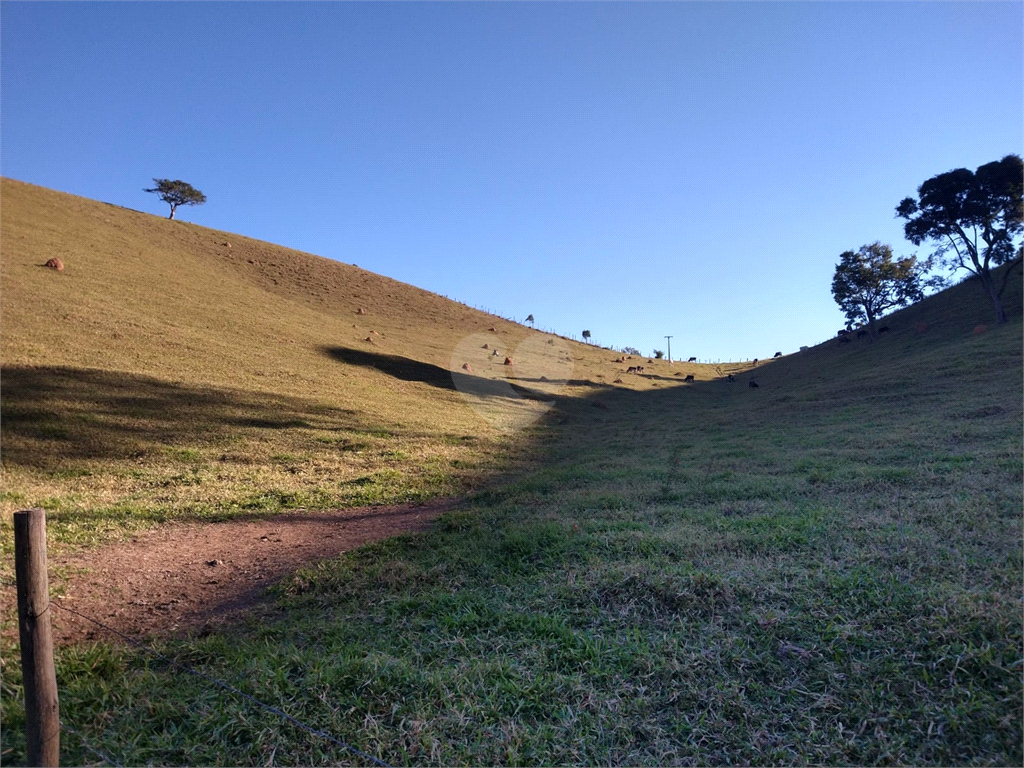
x: 871, y: 325
x: 989, y: 285
x: 172, y: 212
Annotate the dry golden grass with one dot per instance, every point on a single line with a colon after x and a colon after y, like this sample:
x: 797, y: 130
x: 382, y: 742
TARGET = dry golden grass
x: 170, y: 367
x: 173, y: 370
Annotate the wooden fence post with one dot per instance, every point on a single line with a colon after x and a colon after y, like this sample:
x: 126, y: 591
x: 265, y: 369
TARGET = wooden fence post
x: 42, y: 713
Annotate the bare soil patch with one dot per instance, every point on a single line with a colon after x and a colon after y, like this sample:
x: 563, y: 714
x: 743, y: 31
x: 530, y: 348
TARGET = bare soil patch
x: 185, y: 578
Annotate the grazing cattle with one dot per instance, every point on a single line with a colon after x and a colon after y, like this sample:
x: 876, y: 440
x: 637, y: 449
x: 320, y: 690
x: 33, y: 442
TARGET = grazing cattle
x: 689, y: 378
x: 883, y: 329
x: 692, y: 360
x: 755, y: 361
x: 861, y: 333
x: 508, y: 361
x: 631, y: 369
x: 465, y: 367
x: 752, y: 384
x: 494, y: 353
x: 804, y: 349
x: 777, y: 354
x: 617, y: 381
x: 731, y: 377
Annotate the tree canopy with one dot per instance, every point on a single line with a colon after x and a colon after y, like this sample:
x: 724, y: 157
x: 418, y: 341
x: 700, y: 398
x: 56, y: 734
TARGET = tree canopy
x: 870, y: 281
x: 176, y: 193
x: 974, y: 219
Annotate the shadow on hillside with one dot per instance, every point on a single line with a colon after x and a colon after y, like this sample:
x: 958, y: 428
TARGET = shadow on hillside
x: 403, y: 368
x: 407, y: 369
x: 52, y: 415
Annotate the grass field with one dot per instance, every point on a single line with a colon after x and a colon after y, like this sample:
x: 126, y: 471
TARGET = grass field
x: 825, y: 570
x: 173, y: 371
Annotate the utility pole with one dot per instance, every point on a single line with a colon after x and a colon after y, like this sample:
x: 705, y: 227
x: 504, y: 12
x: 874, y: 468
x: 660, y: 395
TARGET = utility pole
x: 669, y: 340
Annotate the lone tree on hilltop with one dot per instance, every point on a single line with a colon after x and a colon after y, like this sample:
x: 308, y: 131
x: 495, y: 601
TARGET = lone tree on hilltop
x: 870, y: 281
x: 176, y: 193
x: 957, y: 208
x: 586, y: 336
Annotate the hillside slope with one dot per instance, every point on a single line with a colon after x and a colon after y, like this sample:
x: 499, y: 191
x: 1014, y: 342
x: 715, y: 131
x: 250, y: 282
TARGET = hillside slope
x: 824, y: 569
x: 168, y: 299
x: 174, y: 369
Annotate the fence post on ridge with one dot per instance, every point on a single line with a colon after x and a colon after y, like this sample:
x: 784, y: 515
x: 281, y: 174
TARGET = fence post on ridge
x: 42, y: 710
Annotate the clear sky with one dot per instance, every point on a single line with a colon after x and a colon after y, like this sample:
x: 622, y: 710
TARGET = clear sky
x: 634, y: 169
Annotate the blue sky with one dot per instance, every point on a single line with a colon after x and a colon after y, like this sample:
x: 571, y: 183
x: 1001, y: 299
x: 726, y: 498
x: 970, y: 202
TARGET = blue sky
x: 635, y: 169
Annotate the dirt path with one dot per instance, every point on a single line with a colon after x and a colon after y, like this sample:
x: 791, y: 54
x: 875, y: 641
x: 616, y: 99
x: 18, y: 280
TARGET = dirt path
x: 177, y: 579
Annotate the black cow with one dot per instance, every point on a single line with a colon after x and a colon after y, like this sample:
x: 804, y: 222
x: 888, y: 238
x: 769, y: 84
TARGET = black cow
x: 777, y: 354
x: 752, y: 384
x: 692, y: 360
x: 689, y: 378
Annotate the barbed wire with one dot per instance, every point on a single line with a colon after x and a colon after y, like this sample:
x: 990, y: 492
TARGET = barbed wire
x: 226, y: 686
x: 81, y: 738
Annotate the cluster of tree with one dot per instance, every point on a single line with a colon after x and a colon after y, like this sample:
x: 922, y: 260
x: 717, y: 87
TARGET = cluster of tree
x: 974, y: 220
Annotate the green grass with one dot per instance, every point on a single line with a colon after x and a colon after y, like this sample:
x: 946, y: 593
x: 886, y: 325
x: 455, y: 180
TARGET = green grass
x: 826, y: 570
x: 816, y: 589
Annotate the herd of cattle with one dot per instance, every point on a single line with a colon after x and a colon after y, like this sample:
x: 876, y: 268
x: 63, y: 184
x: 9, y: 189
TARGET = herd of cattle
x: 690, y: 378
x: 845, y: 336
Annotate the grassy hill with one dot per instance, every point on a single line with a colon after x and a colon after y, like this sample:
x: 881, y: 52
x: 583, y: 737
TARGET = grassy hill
x: 825, y: 569
x: 171, y: 368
